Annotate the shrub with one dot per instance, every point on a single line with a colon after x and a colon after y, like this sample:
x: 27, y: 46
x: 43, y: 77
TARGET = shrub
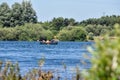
x: 72, y: 34
x: 106, y: 58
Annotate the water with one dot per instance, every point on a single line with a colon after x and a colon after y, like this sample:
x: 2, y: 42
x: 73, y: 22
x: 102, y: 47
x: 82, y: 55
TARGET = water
x: 28, y: 55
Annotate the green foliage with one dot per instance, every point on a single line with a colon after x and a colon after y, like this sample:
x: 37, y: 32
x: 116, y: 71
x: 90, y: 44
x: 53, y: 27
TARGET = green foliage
x: 28, y: 14
x: 78, y: 34
x: 72, y: 34
x: 57, y: 23
x: 32, y: 32
x: 29, y: 32
x: 5, y: 14
x: 19, y: 14
x: 60, y: 22
x: 64, y: 35
x: 104, y: 20
x: 90, y: 36
x: 7, y: 34
x: 97, y: 30
x: 106, y: 58
x: 16, y: 15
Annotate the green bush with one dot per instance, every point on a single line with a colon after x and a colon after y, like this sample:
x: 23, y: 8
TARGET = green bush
x: 27, y: 32
x: 64, y: 35
x: 105, y: 58
x: 72, y: 34
x: 78, y: 34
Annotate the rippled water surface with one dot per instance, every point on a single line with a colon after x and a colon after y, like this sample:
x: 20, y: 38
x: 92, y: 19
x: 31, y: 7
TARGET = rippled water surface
x: 29, y: 53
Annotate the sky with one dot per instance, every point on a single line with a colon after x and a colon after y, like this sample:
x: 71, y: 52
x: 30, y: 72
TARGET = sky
x: 78, y: 9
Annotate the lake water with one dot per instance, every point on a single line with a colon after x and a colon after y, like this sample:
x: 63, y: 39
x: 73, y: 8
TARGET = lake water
x: 28, y: 55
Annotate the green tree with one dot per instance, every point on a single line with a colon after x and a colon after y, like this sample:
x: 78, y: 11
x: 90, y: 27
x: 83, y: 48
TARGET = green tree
x: 19, y: 14
x: 60, y: 22
x: 104, y: 20
x: 97, y: 30
x: 28, y: 14
x: 71, y: 22
x: 78, y: 34
x: 16, y: 15
x: 5, y: 14
x: 57, y: 23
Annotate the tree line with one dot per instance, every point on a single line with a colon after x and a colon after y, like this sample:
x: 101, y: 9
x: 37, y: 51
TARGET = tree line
x: 104, y: 20
x: 19, y: 22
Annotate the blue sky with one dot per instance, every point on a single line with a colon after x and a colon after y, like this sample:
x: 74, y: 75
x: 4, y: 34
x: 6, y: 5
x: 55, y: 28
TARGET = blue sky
x: 77, y: 9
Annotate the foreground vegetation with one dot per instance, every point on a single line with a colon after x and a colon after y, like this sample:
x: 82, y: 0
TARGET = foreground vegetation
x: 11, y: 71
x: 106, y: 58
